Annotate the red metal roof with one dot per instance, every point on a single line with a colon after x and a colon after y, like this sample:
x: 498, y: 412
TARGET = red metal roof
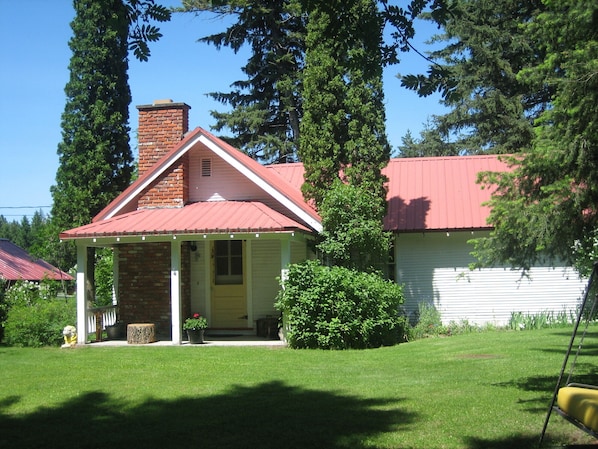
x: 17, y: 264
x: 196, y: 218
x: 438, y: 193
x: 428, y: 193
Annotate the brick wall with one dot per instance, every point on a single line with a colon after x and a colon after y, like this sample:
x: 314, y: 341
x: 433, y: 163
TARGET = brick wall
x: 161, y: 126
x: 144, y: 284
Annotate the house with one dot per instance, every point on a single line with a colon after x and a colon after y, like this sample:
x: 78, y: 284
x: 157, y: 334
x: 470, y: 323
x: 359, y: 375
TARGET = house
x: 16, y: 264
x: 207, y: 229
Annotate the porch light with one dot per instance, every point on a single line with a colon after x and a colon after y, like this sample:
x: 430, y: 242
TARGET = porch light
x: 257, y: 235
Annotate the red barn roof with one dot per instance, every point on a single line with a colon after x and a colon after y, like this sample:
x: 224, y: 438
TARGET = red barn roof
x: 17, y: 264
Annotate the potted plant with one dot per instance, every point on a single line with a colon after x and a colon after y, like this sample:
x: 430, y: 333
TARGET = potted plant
x: 117, y: 331
x: 195, y: 327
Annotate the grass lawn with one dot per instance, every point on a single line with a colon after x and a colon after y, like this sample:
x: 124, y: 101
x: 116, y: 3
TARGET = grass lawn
x: 484, y: 390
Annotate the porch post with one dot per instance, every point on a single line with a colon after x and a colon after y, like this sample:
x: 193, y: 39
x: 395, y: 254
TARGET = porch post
x: 175, y: 290
x: 115, y: 274
x: 285, y: 257
x: 82, y: 330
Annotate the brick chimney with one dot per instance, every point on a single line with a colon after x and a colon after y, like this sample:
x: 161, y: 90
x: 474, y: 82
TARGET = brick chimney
x: 161, y: 126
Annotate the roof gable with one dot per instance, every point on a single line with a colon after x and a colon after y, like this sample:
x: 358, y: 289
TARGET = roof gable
x: 286, y: 195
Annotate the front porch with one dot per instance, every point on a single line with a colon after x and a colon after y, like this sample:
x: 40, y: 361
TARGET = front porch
x: 209, y: 341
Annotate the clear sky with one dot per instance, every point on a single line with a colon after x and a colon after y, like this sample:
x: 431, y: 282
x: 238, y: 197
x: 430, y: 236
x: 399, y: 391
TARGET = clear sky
x: 34, y: 58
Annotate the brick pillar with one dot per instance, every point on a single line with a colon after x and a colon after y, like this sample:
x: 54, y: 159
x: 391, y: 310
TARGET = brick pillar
x: 161, y: 126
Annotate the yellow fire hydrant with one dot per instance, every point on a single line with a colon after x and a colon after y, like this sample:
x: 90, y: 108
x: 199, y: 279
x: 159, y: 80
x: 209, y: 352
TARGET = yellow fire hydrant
x: 70, y: 336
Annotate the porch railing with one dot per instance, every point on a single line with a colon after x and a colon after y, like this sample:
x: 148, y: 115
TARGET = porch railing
x: 107, y: 315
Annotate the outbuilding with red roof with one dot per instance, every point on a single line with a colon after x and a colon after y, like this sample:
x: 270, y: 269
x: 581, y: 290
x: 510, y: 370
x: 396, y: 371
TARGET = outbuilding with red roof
x: 16, y: 264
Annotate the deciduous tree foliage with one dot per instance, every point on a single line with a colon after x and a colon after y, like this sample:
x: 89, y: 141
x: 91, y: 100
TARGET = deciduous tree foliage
x: 548, y: 205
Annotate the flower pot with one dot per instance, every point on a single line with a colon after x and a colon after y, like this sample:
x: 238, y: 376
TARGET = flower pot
x: 195, y: 336
x: 116, y: 331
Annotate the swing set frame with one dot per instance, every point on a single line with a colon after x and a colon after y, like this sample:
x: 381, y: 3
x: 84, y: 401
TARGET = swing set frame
x: 581, y: 313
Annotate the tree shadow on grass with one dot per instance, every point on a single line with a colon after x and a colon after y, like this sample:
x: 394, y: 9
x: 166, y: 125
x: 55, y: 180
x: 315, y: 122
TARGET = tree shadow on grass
x: 270, y: 415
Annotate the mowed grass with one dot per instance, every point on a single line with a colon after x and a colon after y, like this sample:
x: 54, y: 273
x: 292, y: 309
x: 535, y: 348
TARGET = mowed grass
x: 483, y: 390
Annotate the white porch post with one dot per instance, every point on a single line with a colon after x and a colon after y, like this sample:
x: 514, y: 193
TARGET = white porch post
x: 82, y: 330
x: 115, y: 274
x: 285, y: 260
x: 285, y: 257
x: 175, y: 290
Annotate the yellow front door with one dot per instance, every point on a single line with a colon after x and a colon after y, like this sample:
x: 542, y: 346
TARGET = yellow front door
x: 229, y: 294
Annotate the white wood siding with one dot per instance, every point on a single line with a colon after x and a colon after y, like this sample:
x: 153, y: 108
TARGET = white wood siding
x: 265, y: 261
x: 433, y: 268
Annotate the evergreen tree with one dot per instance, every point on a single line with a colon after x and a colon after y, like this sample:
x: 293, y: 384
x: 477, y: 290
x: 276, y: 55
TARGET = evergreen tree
x: 343, y: 123
x: 548, y: 205
x: 343, y: 135
x: 95, y: 160
x: 266, y: 107
x: 492, y: 110
x: 430, y: 143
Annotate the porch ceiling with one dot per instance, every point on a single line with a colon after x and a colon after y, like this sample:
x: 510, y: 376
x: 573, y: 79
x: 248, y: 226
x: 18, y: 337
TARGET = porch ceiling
x: 196, y: 218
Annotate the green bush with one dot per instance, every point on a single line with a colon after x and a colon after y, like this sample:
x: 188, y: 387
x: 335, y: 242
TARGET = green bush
x: 339, y: 308
x: 39, y: 324
x: 429, y: 322
x: 33, y: 316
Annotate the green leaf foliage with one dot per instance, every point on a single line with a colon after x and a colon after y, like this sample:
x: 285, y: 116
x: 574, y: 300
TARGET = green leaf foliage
x: 95, y: 160
x: 40, y: 324
x: 353, y: 234
x: 265, y: 108
x: 338, y: 308
x: 32, y: 316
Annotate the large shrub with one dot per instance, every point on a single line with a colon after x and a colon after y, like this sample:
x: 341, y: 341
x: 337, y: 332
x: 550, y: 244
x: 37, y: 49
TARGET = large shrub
x: 339, y: 308
x: 34, y: 315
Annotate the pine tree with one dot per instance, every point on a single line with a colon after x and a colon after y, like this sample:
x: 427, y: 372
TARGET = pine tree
x: 266, y: 107
x: 548, y: 205
x: 491, y: 108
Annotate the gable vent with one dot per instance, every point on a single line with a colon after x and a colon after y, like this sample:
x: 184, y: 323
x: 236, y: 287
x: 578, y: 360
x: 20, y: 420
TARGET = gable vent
x: 206, y: 167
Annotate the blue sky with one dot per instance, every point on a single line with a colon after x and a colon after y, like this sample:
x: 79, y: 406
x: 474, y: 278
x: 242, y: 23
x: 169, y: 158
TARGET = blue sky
x: 34, y: 57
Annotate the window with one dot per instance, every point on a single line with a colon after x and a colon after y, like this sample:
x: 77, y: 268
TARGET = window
x: 228, y: 257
